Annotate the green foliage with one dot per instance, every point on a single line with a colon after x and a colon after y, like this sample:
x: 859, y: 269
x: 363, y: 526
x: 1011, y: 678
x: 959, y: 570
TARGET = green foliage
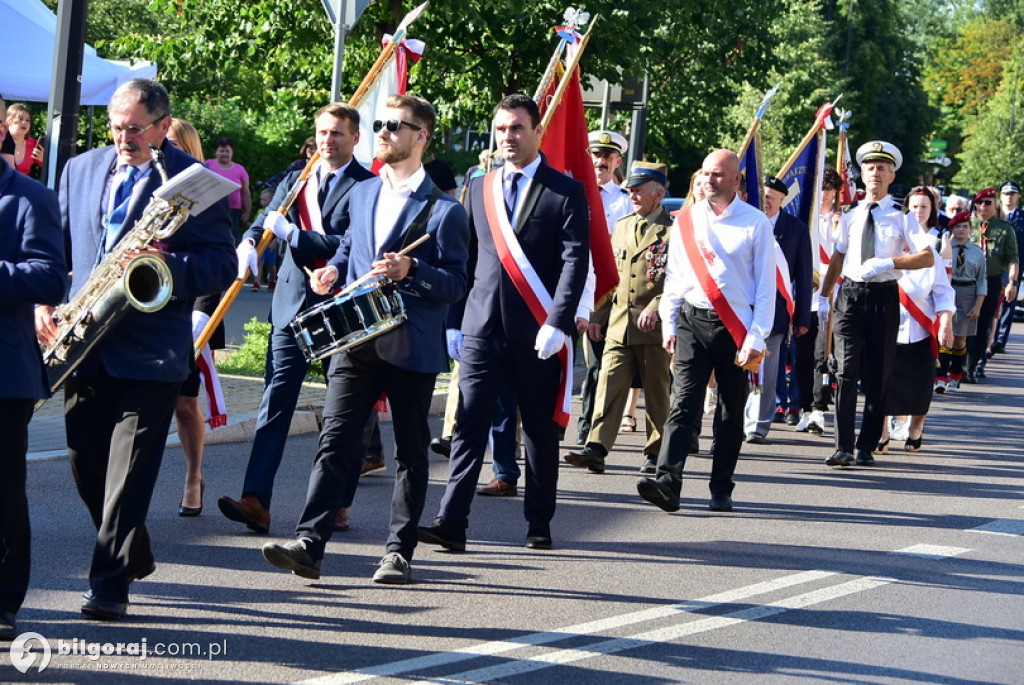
x: 250, y: 358
x: 995, y: 137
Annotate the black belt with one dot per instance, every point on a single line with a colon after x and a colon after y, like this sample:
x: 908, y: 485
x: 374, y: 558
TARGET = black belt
x: 869, y: 286
x: 696, y: 312
x: 956, y: 282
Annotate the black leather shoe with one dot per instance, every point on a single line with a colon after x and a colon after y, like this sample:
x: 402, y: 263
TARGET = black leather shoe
x: 694, y: 444
x: 980, y: 373
x: 589, y: 457
x: 539, y: 536
x: 294, y: 556
x: 443, y: 532
x: 720, y: 503
x: 840, y: 458
x: 442, y: 446
x: 864, y: 458
x: 649, y: 468
x: 189, y: 512
x: 658, y: 494
x: 104, y: 609
x: 8, y: 626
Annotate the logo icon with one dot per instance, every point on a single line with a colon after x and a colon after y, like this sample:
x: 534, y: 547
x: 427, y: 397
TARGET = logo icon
x: 22, y: 656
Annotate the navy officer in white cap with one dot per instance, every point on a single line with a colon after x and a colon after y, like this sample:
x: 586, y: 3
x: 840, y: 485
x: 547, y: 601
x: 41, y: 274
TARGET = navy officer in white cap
x: 869, y: 255
x: 606, y: 149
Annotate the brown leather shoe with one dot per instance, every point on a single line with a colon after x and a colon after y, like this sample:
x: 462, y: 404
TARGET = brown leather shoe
x: 498, y: 488
x: 247, y: 510
x: 374, y: 466
x: 341, y: 521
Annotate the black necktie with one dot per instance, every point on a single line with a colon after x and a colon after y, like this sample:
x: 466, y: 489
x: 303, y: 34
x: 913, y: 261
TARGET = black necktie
x: 325, y: 187
x: 511, y: 193
x: 961, y: 259
x: 867, y: 236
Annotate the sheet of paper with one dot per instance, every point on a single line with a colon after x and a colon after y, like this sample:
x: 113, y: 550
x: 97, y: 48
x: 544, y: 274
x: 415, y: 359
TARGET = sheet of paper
x: 197, y: 185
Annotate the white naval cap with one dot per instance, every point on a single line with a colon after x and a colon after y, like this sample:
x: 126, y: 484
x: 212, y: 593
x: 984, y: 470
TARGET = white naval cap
x: 879, y: 151
x: 609, y: 141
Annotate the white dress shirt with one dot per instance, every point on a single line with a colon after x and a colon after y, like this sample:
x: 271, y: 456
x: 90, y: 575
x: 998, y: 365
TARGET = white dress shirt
x: 894, y: 230
x: 744, y: 270
x: 391, y: 201
x: 616, y: 203
x: 930, y: 290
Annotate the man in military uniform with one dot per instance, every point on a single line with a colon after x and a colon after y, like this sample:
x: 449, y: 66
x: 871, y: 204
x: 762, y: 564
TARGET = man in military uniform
x: 1009, y: 197
x: 869, y: 254
x: 633, y: 336
x: 606, y: 150
x: 997, y: 240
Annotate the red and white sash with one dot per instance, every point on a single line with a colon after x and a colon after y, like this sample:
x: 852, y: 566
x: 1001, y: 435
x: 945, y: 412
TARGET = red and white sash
x: 926, y: 322
x: 782, y: 281
x: 526, y: 281
x: 700, y: 254
x: 308, y: 204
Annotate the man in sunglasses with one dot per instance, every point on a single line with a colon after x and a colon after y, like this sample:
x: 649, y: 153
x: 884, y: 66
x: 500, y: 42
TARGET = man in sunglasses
x: 387, y: 215
x: 997, y: 240
x: 311, y: 231
x: 531, y: 230
x: 119, y: 403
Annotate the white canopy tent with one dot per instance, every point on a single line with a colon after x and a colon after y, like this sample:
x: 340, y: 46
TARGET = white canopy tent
x: 26, y: 52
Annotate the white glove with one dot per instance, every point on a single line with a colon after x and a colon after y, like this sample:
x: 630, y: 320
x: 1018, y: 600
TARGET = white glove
x: 453, y: 337
x: 823, y: 307
x: 199, y: 321
x: 873, y: 267
x: 282, y: 228
x: 549, y: 341
x: 247, y: 259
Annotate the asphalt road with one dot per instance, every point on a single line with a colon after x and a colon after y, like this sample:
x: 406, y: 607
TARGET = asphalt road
x: 908, y: 572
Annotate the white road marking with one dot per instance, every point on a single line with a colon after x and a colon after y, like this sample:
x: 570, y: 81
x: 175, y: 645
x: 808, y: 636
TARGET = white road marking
x: 504, y: 646
x: 1001, y: 527
x: 667, y: 634
x: 931, y: 551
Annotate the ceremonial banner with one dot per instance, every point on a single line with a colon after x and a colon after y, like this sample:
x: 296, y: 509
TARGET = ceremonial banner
x: 393, y: 80
x: 565, y: 147
x: 753, y: 172
x: 802, y: 180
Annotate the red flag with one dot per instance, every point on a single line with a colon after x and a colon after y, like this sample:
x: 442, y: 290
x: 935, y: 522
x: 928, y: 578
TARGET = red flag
x: 565, y: 147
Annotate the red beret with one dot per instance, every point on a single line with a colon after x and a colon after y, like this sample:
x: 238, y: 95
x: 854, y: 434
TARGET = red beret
x: 960, y: 217
x: 988, y: 192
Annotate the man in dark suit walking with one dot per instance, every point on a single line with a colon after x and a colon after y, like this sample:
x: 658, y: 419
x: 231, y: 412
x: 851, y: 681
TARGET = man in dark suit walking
x: 532, y: 249
x: 32, y: 259
x: 312, y: 232
x: 118, y: 404
x: 388, y: 214
x: 792, y: 305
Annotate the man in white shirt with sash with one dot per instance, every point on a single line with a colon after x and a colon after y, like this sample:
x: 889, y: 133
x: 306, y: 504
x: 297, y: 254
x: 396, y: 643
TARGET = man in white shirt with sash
x: 531, y: 230
x: 717, y: 309
x: 869, y: 256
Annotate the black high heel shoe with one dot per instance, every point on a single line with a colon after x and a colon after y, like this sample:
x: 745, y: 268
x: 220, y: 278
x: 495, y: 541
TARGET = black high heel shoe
x: 883, y: 447
x: 193, y: 511
x: 913, y: 444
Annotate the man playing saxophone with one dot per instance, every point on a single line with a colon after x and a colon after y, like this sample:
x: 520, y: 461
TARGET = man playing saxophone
x: 119, y: 402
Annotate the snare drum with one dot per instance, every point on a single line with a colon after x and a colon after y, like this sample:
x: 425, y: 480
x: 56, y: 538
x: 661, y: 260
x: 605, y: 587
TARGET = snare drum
x: 348, y: 319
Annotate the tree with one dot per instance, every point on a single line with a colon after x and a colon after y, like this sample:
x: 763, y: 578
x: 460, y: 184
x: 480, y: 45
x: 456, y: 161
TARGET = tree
x: 996, y: 136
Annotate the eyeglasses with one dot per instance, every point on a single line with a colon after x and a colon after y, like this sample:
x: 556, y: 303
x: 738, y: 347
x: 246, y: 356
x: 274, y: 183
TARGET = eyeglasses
x: 133, y: 129
x: 984, y: 202
x: 393, y: 125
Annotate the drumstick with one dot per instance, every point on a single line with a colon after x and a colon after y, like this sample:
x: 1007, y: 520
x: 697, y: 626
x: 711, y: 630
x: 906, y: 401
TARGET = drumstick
x: 404, y: 251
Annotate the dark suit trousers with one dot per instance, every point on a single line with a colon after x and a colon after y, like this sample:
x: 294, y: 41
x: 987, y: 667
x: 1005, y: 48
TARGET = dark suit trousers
x: 15, y: 542
x: 116, y: 431
x: 592, y: 353
x: 810, y: 367
x: 286, y: 369
x: 485, y: 365
x: 357, y: 379
x: 867, y: 320
x: 703, y: 345
x: 977, y: 344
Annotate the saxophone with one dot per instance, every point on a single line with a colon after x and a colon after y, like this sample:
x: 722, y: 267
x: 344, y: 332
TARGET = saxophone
x: 116, y: 284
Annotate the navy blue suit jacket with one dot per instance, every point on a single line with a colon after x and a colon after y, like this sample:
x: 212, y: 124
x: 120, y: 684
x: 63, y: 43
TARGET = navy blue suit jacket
x: 552, y: 227
x: 292, y: 293
x: 440, y: 280
x: 795, y: 241
x: 201, y: 257
x: 32, y: 272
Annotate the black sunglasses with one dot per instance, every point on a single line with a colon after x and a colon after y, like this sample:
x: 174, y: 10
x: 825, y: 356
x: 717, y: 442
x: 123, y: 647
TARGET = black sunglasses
x: 984, y: 202
x: 393, y: 125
